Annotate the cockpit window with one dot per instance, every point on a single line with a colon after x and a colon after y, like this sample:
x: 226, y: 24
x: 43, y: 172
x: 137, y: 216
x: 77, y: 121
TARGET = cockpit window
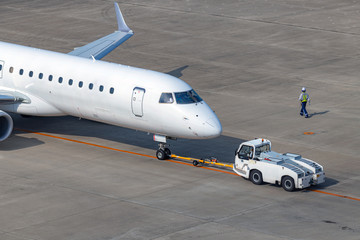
x: 166, y: 98
x: 187, y: 97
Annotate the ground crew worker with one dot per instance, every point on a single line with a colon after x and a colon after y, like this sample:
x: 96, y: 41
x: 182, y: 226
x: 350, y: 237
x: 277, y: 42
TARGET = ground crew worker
x: 251, y: 153
x: 304, y: 98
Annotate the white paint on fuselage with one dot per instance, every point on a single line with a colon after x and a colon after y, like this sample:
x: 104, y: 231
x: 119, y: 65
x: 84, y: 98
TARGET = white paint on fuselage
x: 51, y: 98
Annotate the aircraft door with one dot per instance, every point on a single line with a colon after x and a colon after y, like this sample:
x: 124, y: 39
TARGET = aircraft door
x: 137, y: 101
x: 2, y: 63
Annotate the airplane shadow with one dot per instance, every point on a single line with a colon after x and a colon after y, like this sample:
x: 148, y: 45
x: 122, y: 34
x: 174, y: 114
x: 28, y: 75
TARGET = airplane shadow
x: 222, y: 147
x: 178, y: 72
x: 15, y: 142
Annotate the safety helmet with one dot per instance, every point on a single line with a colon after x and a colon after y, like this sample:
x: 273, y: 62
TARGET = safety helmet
x: 303, y: 89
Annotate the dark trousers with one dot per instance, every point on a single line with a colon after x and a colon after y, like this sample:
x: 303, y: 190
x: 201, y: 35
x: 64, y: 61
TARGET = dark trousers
x: 303, y: 109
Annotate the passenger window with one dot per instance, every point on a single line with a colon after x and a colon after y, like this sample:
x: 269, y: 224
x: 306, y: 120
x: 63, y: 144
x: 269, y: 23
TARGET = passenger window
x: 0, y: 67
x: 71, y: 82
x: 91, y: 86
x: 31, y: 73
x: 50, y: 77
x: 11, y: 70
x: 60, y: 79
x: 21, y: 72
x: 41, y: 76
x: 81, y: 84
x: 166, y: 98
x: 101, y: 88
x: 111, y: 90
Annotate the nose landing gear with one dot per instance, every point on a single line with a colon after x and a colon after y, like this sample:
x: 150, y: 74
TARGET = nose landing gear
x: 163, y: 152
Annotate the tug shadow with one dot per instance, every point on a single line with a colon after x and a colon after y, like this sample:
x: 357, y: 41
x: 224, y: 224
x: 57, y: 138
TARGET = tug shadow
x: 328, y: 183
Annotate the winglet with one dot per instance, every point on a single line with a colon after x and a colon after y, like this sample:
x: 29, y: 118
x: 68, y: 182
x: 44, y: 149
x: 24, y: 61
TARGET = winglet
x: 121, y: 22
x: 103, y: 46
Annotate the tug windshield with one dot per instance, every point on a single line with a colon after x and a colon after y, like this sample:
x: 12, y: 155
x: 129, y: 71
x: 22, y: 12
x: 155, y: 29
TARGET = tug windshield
x: 262, y: 148
x: 187, y: 97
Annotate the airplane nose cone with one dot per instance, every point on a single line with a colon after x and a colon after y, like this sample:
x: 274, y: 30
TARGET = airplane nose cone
x: 214, y: 127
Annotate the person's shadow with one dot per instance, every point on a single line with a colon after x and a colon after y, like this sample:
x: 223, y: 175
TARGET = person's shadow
x: 318, y: 113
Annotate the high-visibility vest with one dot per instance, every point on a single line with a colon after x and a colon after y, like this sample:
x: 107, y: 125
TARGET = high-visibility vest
x: 304, y: 98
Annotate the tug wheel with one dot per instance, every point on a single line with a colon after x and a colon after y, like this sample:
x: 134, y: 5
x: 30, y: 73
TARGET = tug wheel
x: 288, y: 184
x: 195, y: 163
x: 256, y: 177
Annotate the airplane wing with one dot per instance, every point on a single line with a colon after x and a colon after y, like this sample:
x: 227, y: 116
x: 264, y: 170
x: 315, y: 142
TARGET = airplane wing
x: 103, y: 46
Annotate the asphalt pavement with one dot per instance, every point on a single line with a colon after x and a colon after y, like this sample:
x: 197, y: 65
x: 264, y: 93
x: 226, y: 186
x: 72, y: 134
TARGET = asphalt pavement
x: 65, y: 178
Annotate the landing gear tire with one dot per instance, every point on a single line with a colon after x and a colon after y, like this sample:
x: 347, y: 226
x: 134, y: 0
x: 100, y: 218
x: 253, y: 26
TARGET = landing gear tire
x: 167, y: 152
x: 163, y: 152
x: 288, y: 184
x: 161, y: 155
x: 256, y: 177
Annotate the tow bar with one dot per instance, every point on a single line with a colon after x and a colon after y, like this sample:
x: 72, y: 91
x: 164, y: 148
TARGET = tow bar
x: 211, y: 161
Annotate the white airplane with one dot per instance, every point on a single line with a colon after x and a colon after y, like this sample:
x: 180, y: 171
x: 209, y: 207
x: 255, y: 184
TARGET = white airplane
x: 38, y: 82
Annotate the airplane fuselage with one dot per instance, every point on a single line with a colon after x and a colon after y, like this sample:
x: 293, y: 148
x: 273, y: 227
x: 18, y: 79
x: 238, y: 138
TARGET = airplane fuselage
x: 56, y: 84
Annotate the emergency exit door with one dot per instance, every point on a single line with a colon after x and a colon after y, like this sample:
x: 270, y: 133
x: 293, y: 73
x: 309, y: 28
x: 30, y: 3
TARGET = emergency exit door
x: 137, y: 101
x: 2, y: 63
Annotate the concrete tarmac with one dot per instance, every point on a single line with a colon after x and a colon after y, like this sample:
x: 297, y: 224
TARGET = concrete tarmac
x: 248, y: 60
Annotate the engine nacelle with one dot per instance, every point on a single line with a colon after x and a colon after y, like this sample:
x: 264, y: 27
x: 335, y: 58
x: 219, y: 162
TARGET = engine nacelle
x: 6, y: 125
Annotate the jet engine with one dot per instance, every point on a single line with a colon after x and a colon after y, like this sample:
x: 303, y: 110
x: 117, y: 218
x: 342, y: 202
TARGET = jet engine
x: 6, y: 125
